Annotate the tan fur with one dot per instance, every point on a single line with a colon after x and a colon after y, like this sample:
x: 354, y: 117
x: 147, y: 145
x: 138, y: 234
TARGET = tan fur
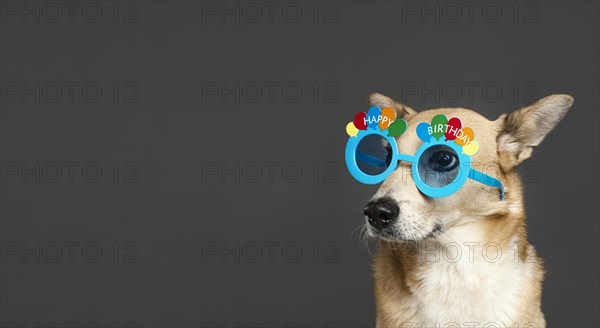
x: 414, y: 287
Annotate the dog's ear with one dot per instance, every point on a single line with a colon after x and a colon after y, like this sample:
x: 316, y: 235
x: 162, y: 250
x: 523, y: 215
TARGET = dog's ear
x: 525, y: 128
x: 381, y: 101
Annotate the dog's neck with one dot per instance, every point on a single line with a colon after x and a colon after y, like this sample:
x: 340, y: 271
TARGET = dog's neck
x: 472, y: 271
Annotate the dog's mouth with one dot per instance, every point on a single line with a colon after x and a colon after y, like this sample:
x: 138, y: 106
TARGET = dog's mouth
x: 437, y: 230
x: 394, y: 235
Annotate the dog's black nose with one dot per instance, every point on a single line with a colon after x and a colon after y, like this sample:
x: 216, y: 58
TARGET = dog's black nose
x: 382, y: 212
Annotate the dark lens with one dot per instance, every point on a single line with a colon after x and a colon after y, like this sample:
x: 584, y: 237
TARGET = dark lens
x: 438, y: 166
x: 373, y: 154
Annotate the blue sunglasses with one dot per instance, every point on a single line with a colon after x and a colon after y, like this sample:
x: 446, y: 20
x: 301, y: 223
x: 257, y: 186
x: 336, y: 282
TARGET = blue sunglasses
x: 439, y: 167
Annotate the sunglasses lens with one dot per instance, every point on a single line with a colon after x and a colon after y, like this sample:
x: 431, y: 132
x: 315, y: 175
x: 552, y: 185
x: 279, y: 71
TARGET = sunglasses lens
x: 373, y: 154
x: 438, y: 166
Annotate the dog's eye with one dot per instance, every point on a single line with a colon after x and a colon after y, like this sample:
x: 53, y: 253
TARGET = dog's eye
x: 438, y: 166
x: 443, y: 161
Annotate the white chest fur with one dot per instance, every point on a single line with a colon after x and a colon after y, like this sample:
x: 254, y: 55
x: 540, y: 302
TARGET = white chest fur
x: 475, y: 283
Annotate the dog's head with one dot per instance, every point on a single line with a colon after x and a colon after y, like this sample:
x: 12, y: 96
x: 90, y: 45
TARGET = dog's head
x: 400, y: 212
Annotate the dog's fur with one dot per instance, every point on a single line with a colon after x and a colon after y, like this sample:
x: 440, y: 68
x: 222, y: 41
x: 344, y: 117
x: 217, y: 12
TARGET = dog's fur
x: 463, y: 260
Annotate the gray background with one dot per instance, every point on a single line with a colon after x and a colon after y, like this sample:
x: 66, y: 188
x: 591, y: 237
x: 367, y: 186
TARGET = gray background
x: 171, y: 215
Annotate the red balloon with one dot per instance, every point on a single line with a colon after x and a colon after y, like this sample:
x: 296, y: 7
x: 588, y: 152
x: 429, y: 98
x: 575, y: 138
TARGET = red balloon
x: 452, y: 129
x: 359, y: 120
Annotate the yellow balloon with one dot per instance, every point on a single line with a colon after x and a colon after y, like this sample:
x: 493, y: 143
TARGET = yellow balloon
x: 351, y: 129
x: 471, y: 148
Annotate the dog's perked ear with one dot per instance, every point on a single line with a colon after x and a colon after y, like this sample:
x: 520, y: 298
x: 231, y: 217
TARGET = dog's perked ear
x: 381, y: 101
x: 525, y: 128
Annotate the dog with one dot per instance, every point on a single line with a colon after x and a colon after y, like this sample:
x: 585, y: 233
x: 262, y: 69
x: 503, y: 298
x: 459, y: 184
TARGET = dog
x: 463, y: 260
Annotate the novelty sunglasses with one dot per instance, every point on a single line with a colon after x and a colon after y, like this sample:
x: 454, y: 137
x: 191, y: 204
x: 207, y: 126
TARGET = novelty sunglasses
x: 441, y: 165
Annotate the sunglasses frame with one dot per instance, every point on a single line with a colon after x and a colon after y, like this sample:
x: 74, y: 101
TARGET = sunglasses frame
x: 465, y: 171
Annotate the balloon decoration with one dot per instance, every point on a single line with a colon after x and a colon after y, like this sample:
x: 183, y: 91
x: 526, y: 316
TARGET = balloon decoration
x: 438, y: 126
x: 388, y: 115
x: 397, y: 128
x: 373, y: 117
x: 351, y: 129
x: 454, y: 125
x: 424, y: 131
x: 360, y: 120
x: 379, y: 120
x: 452, y: 130
x: 465, y: 135
x: 471, y: 148
x: 385, y: 119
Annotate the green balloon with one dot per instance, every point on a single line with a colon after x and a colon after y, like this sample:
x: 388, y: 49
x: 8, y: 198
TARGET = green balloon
x: 397, y: 128
x: 438, y: 125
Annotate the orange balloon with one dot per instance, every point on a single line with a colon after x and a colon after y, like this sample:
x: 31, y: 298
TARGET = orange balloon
x: 388, y: 115
x: 465, y: 136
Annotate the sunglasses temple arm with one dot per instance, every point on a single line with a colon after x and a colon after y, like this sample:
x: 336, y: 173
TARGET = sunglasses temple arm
x: 366, y: 158
x: 487, y: 180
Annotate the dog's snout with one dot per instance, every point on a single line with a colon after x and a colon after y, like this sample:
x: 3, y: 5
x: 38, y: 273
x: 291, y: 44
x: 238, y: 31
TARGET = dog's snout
x: 382, y: 212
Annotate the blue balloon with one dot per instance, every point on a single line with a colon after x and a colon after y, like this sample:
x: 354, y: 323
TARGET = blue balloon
x: 423, y: 131
x: 373, y: 117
